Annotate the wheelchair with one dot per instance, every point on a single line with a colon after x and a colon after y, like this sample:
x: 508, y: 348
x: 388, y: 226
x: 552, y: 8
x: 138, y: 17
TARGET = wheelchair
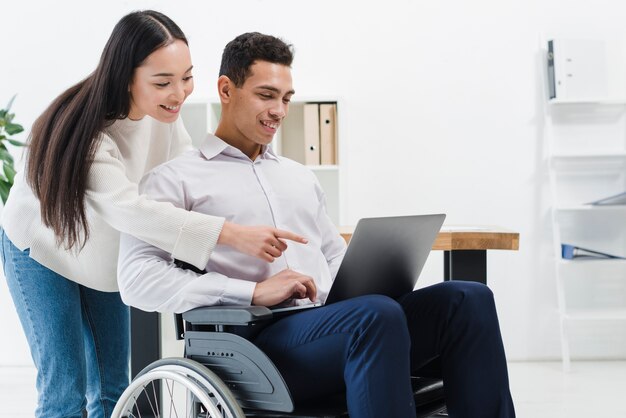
x: 225, y: 375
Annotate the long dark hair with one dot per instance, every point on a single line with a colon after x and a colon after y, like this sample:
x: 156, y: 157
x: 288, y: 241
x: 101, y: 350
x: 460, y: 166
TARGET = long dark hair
x: 65, y: 137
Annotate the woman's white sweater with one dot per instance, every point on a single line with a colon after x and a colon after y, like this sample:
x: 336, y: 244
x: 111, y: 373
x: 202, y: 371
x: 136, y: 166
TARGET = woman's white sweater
x: 127, y: 151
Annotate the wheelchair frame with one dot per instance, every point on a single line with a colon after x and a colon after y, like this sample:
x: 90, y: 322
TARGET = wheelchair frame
x: 238, y: 376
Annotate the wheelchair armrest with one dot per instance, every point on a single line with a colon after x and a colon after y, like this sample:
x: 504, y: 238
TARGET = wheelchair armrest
x: 227, y: 315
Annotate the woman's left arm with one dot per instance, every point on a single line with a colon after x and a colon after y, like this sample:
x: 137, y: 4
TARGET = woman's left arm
x: 188, y: 236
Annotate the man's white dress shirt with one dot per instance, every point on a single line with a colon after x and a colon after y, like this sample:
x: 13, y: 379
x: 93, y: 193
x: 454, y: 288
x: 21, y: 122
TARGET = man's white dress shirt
x: 221, y: 180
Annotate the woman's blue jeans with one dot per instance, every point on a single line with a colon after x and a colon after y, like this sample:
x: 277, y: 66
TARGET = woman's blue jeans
x: 79, y: 338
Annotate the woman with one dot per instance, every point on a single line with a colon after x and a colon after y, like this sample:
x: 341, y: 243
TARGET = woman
x: 87, y: 153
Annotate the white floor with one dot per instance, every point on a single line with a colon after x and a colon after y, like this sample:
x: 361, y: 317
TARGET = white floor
x: 540, y: 390
x: 589, y: 390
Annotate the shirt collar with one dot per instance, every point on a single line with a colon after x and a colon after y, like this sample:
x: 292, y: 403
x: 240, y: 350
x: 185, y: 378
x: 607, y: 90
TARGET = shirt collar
x: 213, y: 146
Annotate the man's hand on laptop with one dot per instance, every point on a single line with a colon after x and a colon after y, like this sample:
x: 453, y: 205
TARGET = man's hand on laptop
x: 287, y: 284
x: 264, y: 242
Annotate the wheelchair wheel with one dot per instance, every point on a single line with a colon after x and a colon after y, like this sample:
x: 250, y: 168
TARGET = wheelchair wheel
x: 186, y: 389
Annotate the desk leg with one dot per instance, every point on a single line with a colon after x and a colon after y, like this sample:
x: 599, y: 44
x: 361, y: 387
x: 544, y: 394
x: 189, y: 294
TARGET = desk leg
x: 145, y: 344
x: 469, y: 265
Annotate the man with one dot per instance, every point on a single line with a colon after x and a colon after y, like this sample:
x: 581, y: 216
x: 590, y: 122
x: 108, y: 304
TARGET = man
x: 368, y: 346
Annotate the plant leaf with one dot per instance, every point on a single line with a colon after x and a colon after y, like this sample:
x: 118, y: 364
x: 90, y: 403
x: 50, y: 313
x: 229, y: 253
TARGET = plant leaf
x: 11, y: 102
x: 13, y: 128
x: 9, y: 172
x: 5, y: 156
x: 4, y: 190
x: 16, y: 143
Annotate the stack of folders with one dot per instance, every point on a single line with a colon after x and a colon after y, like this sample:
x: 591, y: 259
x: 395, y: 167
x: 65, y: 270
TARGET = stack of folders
x: 320, y: 133
x: 618, y: 199
x: 570, y: 252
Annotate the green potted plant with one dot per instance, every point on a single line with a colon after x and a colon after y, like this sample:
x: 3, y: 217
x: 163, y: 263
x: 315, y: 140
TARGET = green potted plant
x: 7, y: 130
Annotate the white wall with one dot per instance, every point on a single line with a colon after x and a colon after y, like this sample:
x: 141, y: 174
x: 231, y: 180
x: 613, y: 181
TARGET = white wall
x: 442, y: 111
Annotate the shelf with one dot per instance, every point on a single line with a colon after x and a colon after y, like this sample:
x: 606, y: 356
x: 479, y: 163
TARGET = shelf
x: 594, y: 161
x: 591, y: 155
x: 596, y: 314
x: 589, y: 101
x: 591, y: 208
x: 323, y: 167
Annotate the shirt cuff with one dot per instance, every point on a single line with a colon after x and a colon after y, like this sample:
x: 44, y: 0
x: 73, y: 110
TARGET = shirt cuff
x: 197, y: 239
x: 238, y: 292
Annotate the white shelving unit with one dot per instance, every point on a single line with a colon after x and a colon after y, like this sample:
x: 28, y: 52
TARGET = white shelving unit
x: 202, y: 116
x: 586, y: 149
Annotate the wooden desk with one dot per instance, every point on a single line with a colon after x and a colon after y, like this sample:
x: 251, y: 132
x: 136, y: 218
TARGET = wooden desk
x: 465, y: 249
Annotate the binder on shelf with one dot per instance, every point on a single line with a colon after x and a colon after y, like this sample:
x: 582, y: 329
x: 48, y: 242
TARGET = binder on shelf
x: 577, y: 69
x: 328, y: 133
x: 570, y: 252
x: 311, y: 134
x: 551, y: 76
x: 615, y: 200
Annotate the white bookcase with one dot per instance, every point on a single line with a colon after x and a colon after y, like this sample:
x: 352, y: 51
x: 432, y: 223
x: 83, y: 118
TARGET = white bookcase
x: 586, y: 149
x: 202, y: 116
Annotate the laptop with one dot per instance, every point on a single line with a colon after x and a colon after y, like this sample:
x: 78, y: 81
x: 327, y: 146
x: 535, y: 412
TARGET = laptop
x: 385, y: 257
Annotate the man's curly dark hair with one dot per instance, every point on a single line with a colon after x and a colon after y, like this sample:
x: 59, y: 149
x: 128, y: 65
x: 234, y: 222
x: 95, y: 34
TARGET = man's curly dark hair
x: 241, y: 53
